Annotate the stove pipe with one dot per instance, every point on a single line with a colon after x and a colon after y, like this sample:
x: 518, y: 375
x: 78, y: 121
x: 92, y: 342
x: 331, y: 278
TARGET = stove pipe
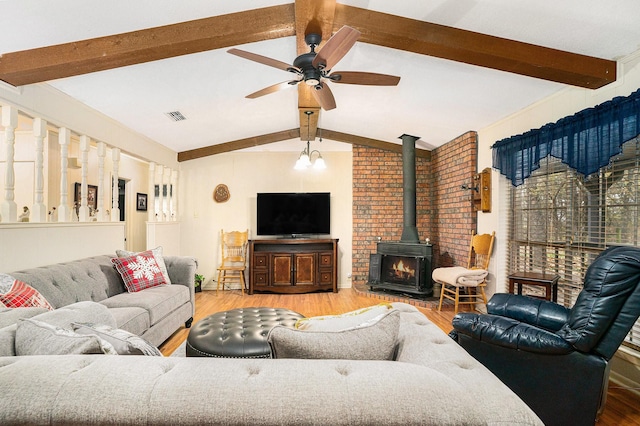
x: 409, y: 230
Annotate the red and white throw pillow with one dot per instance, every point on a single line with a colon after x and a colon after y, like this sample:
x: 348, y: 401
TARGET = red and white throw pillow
x: 17, y: 294
x: 139, y: 271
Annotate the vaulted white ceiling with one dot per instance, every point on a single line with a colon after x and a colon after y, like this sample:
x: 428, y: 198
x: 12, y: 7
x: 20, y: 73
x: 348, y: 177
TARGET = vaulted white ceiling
x: 436, y: 99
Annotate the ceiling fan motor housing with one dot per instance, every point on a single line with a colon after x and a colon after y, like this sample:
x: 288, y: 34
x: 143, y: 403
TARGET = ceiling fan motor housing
x: 310, y: 75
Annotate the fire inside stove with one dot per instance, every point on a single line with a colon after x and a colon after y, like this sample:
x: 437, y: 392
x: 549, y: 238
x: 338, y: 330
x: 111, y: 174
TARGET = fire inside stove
x: 403, y: 272
x: 399, y: 269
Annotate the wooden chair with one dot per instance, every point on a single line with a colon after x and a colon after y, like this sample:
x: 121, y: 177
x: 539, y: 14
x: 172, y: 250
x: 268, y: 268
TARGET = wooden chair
x: 233, y: 247
x: 467, y: 291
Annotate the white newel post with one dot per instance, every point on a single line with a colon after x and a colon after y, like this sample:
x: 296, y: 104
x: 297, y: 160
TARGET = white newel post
x: 115, y: 206
x: 8, y: 208
x: 64, y: 140
x: 174, y: 195
x: 100, y: 214
x: 151, y: 202
x: 160, y: 212
x: 84, y: 212
x: 39, y: 209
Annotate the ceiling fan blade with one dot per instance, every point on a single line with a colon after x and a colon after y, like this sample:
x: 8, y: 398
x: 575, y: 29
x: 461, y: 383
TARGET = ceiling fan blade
x: 263, y: 60
x: 366, y: 78
x: 272, y: 89
x: 336, y: 47
x: 324, y: 97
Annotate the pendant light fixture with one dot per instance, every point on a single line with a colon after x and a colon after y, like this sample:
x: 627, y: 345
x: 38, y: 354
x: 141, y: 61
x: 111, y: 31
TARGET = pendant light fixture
x: 304, y: 160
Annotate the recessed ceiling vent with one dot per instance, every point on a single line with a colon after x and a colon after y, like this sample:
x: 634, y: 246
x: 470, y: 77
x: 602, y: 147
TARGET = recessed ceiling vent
x: 175, y: 115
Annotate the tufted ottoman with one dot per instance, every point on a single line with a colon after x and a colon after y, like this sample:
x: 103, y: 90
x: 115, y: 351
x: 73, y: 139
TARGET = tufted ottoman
x: 238, y: 333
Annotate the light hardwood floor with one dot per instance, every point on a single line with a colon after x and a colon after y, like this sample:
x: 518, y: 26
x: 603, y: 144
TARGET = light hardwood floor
x: 622, y: 408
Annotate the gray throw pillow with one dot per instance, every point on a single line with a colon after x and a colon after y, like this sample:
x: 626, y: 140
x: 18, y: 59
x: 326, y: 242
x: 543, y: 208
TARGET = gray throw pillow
x: 35, y: 337
x: 125, y: 343
x: 375, y: 341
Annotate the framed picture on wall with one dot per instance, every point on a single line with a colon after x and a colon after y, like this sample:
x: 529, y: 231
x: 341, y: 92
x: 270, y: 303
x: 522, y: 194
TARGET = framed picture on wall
x: 92, y: 196
x: 141, y: 202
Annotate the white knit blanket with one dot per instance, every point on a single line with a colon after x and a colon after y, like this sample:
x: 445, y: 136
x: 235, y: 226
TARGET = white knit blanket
x: 459, y: 275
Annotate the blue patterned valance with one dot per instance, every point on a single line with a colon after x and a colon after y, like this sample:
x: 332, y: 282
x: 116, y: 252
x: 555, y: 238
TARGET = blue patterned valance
x: 585, y: 141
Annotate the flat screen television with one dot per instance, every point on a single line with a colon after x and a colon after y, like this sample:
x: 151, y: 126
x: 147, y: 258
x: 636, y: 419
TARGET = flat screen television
x: 292, y: 214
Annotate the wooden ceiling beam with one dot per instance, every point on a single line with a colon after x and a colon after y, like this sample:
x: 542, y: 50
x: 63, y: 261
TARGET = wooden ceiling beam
x: 238, y: 144
x: 102, y: 53
x: 372, y: 143
x: 308, y: 124
x: 477, y: 49
x: 312, y: 16
x: 293, y: 134
x: 114, y: 51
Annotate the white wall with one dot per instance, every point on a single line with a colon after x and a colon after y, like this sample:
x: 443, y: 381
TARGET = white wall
x: 548, y: 110
x: 246, y: 174
x: 29, y: 245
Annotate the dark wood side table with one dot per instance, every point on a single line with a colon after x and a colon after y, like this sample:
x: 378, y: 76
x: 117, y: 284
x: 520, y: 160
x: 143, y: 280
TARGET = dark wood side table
x: 541, y: 279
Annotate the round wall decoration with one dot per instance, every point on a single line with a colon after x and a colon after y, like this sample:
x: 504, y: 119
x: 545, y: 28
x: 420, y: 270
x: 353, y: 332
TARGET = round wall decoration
x: 221, y: 193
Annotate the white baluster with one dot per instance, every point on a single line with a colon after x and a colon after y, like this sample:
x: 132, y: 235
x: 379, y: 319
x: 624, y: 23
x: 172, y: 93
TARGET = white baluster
x: 101, y: 216
x: 64, y: 140
x: 115, y: 205
x: 151, y: 201
x: 166, y: 180
x: 83, y: 212
x: 160, y: 212
x: 174, y: 195
x: 39, y: 209
x: 8, y: 208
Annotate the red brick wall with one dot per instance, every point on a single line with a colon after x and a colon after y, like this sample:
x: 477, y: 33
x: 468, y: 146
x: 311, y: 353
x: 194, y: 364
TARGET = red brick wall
x: 455, y: 164
x: 444, y: 211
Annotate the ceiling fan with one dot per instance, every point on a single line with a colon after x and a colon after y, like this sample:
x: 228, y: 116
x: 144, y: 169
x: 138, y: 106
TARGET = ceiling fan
x: 314, y: 68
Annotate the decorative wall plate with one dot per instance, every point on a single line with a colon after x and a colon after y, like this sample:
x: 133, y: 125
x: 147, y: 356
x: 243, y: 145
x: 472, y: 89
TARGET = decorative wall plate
x: 221, y: 193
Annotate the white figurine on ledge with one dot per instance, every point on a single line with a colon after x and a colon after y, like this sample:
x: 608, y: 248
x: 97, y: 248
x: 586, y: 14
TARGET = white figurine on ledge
x: 24, y: 216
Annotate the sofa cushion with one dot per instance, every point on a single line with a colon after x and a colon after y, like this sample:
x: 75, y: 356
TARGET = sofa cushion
x: 357, y: 318
x: 17, y: 294
x: 10, y: 316
x: 124, y: 343
x: 139, y: 271
x: 62, y: 284
x: 157, y: 255
x: 7, y: 340
x: 35, y: 337
x: 158, y: 301
x: 132, y: 319
x: 78, y: 312
x: 376, y: 341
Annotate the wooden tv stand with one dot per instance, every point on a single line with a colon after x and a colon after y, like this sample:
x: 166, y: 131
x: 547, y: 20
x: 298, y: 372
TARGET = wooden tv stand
x: 293, y: 265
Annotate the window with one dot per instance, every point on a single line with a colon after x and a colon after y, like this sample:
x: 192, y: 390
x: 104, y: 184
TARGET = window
x: 561, y: 220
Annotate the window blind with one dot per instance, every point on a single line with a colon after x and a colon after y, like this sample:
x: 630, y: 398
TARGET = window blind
x: 561, y: 220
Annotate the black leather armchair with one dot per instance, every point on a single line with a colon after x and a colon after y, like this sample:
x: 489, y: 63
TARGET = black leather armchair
x: 557, y: 359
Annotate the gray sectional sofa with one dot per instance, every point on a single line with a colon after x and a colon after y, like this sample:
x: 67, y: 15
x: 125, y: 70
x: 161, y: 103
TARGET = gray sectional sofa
x: 153, y: 314
x: 432, y: 380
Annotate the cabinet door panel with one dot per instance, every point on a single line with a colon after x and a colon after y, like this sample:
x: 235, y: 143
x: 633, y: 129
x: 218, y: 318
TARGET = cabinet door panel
x: 281, y: 269
x: 305, y: 269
